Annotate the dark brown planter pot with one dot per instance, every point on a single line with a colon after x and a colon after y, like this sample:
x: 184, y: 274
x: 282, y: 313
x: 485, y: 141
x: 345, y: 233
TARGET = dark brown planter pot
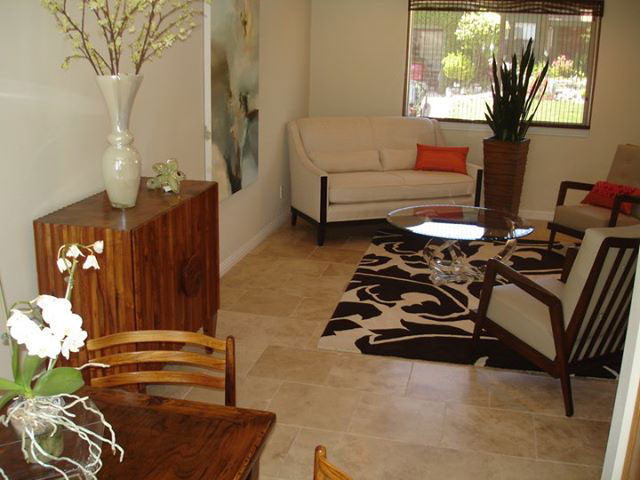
x: 504, y: 165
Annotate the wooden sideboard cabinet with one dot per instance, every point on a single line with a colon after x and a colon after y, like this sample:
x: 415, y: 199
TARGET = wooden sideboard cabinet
x: 160, y: 265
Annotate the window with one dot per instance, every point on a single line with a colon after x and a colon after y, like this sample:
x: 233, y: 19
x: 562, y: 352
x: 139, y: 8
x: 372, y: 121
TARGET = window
x: 452, y: 43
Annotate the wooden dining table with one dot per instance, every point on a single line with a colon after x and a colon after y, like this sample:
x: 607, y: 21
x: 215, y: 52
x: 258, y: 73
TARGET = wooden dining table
x: 167, y: 438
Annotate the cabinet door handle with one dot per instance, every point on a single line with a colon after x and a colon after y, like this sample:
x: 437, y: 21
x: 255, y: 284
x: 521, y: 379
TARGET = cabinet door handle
x: 192, y: 274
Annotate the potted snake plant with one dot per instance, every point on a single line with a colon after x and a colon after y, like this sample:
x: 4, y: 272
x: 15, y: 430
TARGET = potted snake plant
x: 509, y: 117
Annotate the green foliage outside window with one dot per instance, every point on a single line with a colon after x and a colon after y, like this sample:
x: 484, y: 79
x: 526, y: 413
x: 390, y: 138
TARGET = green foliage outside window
x: 458, y: 68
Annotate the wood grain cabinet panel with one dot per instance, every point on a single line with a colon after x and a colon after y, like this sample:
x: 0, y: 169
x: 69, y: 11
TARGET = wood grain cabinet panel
x: 160, y: 265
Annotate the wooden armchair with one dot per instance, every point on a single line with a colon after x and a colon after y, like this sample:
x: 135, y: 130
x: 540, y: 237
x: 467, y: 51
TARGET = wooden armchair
x: 226, y: 365
x: 323, y: 469
x: 573, y: 220
x: 558, y: 325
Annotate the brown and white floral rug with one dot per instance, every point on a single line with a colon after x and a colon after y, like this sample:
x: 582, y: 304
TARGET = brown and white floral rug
x: 391, y: 308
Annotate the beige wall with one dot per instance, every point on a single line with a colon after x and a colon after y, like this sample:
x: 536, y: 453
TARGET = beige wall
x: 53, y: 127
x: 53, y: 130
x: 284, y: 80
x: 357, y: 68
x: 357, y: 57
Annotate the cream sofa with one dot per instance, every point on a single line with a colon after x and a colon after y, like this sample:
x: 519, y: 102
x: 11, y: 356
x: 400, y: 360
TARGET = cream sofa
x: 360, y: 168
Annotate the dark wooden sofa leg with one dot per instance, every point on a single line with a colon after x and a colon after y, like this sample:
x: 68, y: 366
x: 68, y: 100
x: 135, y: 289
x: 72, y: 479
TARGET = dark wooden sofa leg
x: 322, y: 230
x: 294, y: 216
x: 322, y: 224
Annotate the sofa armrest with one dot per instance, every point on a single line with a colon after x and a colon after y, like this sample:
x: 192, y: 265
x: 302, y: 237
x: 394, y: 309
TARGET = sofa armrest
x: 306, y: 178
x: 476, y: 172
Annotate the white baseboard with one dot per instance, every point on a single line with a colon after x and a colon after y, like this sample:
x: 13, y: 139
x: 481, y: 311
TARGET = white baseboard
x: 241, y: 252
x: 536, y: 214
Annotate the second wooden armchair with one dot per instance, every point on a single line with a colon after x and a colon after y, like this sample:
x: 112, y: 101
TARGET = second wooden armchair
x: 226, y: 366
x: 573, y: 220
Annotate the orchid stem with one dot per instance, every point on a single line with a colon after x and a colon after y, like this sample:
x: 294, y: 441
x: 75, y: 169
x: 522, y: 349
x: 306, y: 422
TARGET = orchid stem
x: 3, y: 305
x: 72, y: 272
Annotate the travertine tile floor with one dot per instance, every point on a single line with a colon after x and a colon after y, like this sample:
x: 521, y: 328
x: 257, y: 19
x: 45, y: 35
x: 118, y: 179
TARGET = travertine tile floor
x: 386, y: 418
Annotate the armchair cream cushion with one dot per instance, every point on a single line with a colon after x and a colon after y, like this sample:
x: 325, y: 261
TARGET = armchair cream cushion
x: 581, y: 217
x: 524, y: 316
x: 625, y: 169
x: 528, y: 319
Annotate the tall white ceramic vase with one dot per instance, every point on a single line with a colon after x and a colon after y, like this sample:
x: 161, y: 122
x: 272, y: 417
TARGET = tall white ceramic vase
x: 120, y: 161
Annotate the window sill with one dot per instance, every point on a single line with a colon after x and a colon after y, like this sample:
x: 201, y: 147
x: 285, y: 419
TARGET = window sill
x: 534, y: 131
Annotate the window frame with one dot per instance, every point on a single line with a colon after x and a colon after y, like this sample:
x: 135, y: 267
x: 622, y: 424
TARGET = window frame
x: 589, y: 93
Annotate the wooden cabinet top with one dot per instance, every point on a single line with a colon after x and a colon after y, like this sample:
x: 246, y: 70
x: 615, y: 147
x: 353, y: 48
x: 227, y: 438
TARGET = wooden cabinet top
x: 95, y: 211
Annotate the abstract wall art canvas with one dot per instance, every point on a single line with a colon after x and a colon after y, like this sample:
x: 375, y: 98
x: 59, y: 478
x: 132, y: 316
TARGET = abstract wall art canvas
x: 231, y: 96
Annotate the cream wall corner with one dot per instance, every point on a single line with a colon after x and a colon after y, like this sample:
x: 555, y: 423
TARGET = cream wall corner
x: 284, y: 80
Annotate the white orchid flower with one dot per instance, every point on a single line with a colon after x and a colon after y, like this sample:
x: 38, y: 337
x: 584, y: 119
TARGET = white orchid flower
x: 64, y: 264
x: 73, y: 343
x: 73, y: 251
x: 53, y: 308
x: 98, y: 246
x: 21, y: 327
x: 91, y: 262
x: 43, y: 344
x: 68, y: 325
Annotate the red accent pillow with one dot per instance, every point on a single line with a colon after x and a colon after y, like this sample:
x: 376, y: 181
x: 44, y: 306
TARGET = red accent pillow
x: 604, y: 193
x: 442, y: 159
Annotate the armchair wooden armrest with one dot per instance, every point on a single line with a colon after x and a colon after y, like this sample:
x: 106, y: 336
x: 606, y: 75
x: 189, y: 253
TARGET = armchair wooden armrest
x: 495, y: 267
x: 617, y: 203
x: 569, y: 185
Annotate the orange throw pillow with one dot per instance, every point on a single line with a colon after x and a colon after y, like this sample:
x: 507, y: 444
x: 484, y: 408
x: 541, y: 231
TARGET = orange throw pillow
x: 604, y: 193
x: 442, y: 159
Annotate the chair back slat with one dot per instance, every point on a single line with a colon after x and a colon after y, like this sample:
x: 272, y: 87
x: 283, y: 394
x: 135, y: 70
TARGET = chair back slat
x: 601, y: 314
x: 148, y: 372
x: 166, y: 356
x: 158, y: 377
x: 148, y: 336
x: 611, y: 321
x: 596, y: 292
x: 620, y: 320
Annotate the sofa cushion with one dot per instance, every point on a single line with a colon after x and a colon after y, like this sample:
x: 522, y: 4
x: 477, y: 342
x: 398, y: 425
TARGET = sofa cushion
x: 397, y: 185
x: 340, y: 144
x: 356, y: 161
x: 442, y: 159
x: 524, y: 316
x: 398, y: 158
x: 581, y: 217
x: 400, y: 135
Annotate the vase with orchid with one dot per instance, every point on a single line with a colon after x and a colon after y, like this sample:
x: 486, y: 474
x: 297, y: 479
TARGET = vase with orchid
x: 43, y: 394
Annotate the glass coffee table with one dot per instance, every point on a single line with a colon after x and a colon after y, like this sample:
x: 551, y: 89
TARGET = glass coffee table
x: 447, y: 225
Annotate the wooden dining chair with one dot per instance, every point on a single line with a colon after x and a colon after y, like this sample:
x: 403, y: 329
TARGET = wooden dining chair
x: 227, y: 365
x: 324, y: 470
x: 562, y: 324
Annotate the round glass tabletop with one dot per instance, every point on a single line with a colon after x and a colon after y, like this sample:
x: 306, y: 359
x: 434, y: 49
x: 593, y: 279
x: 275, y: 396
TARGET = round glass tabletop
x: 458, y: 222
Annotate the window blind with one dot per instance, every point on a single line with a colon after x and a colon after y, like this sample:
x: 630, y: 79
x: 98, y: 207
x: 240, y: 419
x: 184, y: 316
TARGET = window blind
x: 557, y: 7
x: 452, y: 43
